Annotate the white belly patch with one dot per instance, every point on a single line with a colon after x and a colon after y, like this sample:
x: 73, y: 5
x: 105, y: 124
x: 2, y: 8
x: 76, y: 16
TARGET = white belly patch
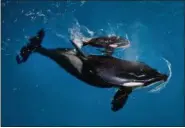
x: 133, y: 84
x: 76, y: 62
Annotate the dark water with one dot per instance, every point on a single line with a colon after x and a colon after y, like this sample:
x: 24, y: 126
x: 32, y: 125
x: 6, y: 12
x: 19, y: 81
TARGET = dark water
x: 40, y: 93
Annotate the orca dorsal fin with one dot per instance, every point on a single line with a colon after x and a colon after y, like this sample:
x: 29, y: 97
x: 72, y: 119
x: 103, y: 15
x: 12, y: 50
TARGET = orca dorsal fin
x: 79, y: 51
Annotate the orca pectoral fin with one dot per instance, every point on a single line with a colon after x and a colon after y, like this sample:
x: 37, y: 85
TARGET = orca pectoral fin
x: 120, y: 98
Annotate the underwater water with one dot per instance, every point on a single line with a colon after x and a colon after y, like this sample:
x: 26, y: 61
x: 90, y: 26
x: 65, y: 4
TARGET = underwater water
x: 40, y: 93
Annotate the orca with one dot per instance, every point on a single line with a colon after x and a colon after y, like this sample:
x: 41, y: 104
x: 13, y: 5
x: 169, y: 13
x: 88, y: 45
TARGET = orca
x: 109, y: 43
x: 98, y: 70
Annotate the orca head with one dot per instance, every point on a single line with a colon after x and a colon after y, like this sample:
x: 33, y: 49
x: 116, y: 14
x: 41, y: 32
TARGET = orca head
x: 146, y: 81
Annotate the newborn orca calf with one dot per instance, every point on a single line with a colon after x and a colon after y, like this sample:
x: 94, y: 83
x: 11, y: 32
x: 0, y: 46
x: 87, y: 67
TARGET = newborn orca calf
x: 98, y: 70
x: 108, y: 43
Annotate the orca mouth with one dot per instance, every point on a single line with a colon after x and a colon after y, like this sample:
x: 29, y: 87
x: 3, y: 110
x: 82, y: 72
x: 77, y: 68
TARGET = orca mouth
x: 164, y: 77
x: 160, y: 78
x: 152, y: 82
x: 145, y: 83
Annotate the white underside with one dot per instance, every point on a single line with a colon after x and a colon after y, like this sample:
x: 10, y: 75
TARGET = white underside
x: 133, y: 84
x: 75, y: 61
x: 120, y: 47
x: 113, y: 45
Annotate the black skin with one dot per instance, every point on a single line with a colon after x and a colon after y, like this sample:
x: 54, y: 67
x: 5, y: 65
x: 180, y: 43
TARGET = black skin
x: 96, y: 70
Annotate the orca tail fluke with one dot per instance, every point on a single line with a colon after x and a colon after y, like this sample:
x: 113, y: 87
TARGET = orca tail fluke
x: 120, y: 98
x: 34, y: 44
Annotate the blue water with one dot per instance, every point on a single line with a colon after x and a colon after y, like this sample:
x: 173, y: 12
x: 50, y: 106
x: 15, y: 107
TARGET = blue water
x: 40, y: 93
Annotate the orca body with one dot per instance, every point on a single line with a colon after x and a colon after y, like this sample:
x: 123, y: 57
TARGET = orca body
x: 104, y: 71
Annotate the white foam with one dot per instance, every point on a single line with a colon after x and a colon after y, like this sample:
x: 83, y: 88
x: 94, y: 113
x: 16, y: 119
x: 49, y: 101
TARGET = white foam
x: 163, y: 85
x: 126, y: 36
x: 76, y: 33
x: 82, y: 2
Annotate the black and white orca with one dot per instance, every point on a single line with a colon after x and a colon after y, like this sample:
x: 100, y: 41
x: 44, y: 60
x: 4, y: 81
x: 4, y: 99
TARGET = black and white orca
x: 99, y: 70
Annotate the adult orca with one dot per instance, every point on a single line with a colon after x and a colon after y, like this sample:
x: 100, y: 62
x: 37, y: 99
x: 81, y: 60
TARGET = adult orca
x: 98, y: 70
x: 108, y: 43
